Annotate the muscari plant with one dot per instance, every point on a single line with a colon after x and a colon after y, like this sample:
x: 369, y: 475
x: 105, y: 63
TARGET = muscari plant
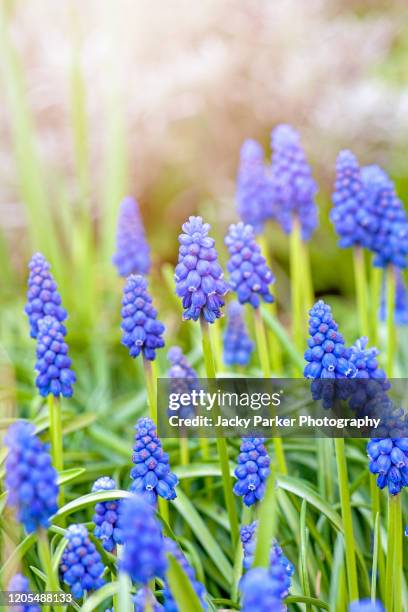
x: 129, y: 558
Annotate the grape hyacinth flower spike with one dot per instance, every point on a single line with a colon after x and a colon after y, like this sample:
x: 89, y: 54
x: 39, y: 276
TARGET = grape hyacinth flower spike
x: 259, y: 592
x: 238, y: 346
x: 31, y: 480
x: 53, y: 365
x: 252, y: 470
x: 142, y: 332
x: 293, y: 184
x: 20, y: 584
x: 132, y: 251
x: 106, y: 515
x: 327, y: 355
x: 366, y: 605
x: 151, y: 475
x: 254, y: 194
x: 250, y: 276
x: 248, y: 540
x: 350, y: 214
x: 81, y: 566
x: 198, y: 275
x: 43, y: 298
x: 143, y: 551
x: 389, y: 461
x: 169, y: 603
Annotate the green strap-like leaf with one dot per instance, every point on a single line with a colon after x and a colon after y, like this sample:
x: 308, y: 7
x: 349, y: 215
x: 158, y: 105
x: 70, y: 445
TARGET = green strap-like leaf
x: 181, y: 588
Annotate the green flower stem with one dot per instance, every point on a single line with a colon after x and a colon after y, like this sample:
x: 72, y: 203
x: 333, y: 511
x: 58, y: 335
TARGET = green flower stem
x: 151, y: 389
x: 390, y: 313
x: 264, y: 359
x: 262, y: 344
x: 216, y: 343
x: 46, y: 561
x: 391, y: 549
x: 398, y: 554
x: 377, y: 546
x: 266, y: 523
x: 376, y: 279
x: 347, y: 519
x: 361, y: 290
x: 221, y: 442
x: 57, y: 453
x: 273, y: 323
x: 307, y: 276
x: 296, y: 284
x: 164, y: 509
x: 124, y: 596
x: 273, y: 340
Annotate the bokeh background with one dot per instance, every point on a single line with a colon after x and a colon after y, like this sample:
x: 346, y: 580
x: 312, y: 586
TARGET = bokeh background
x: 154, y: 99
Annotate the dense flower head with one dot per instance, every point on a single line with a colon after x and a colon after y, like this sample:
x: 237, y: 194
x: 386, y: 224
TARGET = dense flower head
x: 259, y: 592
x: 169, y: 603
x: 293, y: 184
x: 401, y: 301
x: 142, y: 332
x: 198, y: 275
x: 53, y: 365
x: 42, y: 296
x: 31, y: 480
x: 252, y: 470
x: 106, y: 515
x: 389, y: 240
x: 366, y: 605
x: 368, y: 389
x: 248, y: 540
x: 238, y: 346
x: 183, y: 379
x: 254, y: 194
x: 250, y: 276
x: 81, y: 566
x: 327, y: 355
x: 143, y: 551
x: 151, y: 474
x: 350, y: 214
x: 389, y: 459
x: 20, y: 584
x: 141, y: 598
x: 132, y: 251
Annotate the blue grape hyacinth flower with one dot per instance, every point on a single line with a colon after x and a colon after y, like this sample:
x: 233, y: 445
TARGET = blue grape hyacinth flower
x: 390, y: 236
x: 169, y: 603
x: 43, y: 298
x: 183, y: 379
x: 143, y: 551
x: 366, y: 605
x: 254, y: 193
x: 53, y: 365
x: 389, y: 461
x: 31, y: 480
x: 293, y: 184
x: 141, y: 598
x: 252, y: 470
x: 81, y: 565
x: 249, y: 276
x: 198, y: 275
x: 106, y: 515
x: 151, y: 474
x: 132, y: 251
x: 327, y: 355
x: 142, y: 332
x: 259, y: 592
x: 20, y: 584
x: 350, y: 214
x: 238, y: 346
x: 248, y: 540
